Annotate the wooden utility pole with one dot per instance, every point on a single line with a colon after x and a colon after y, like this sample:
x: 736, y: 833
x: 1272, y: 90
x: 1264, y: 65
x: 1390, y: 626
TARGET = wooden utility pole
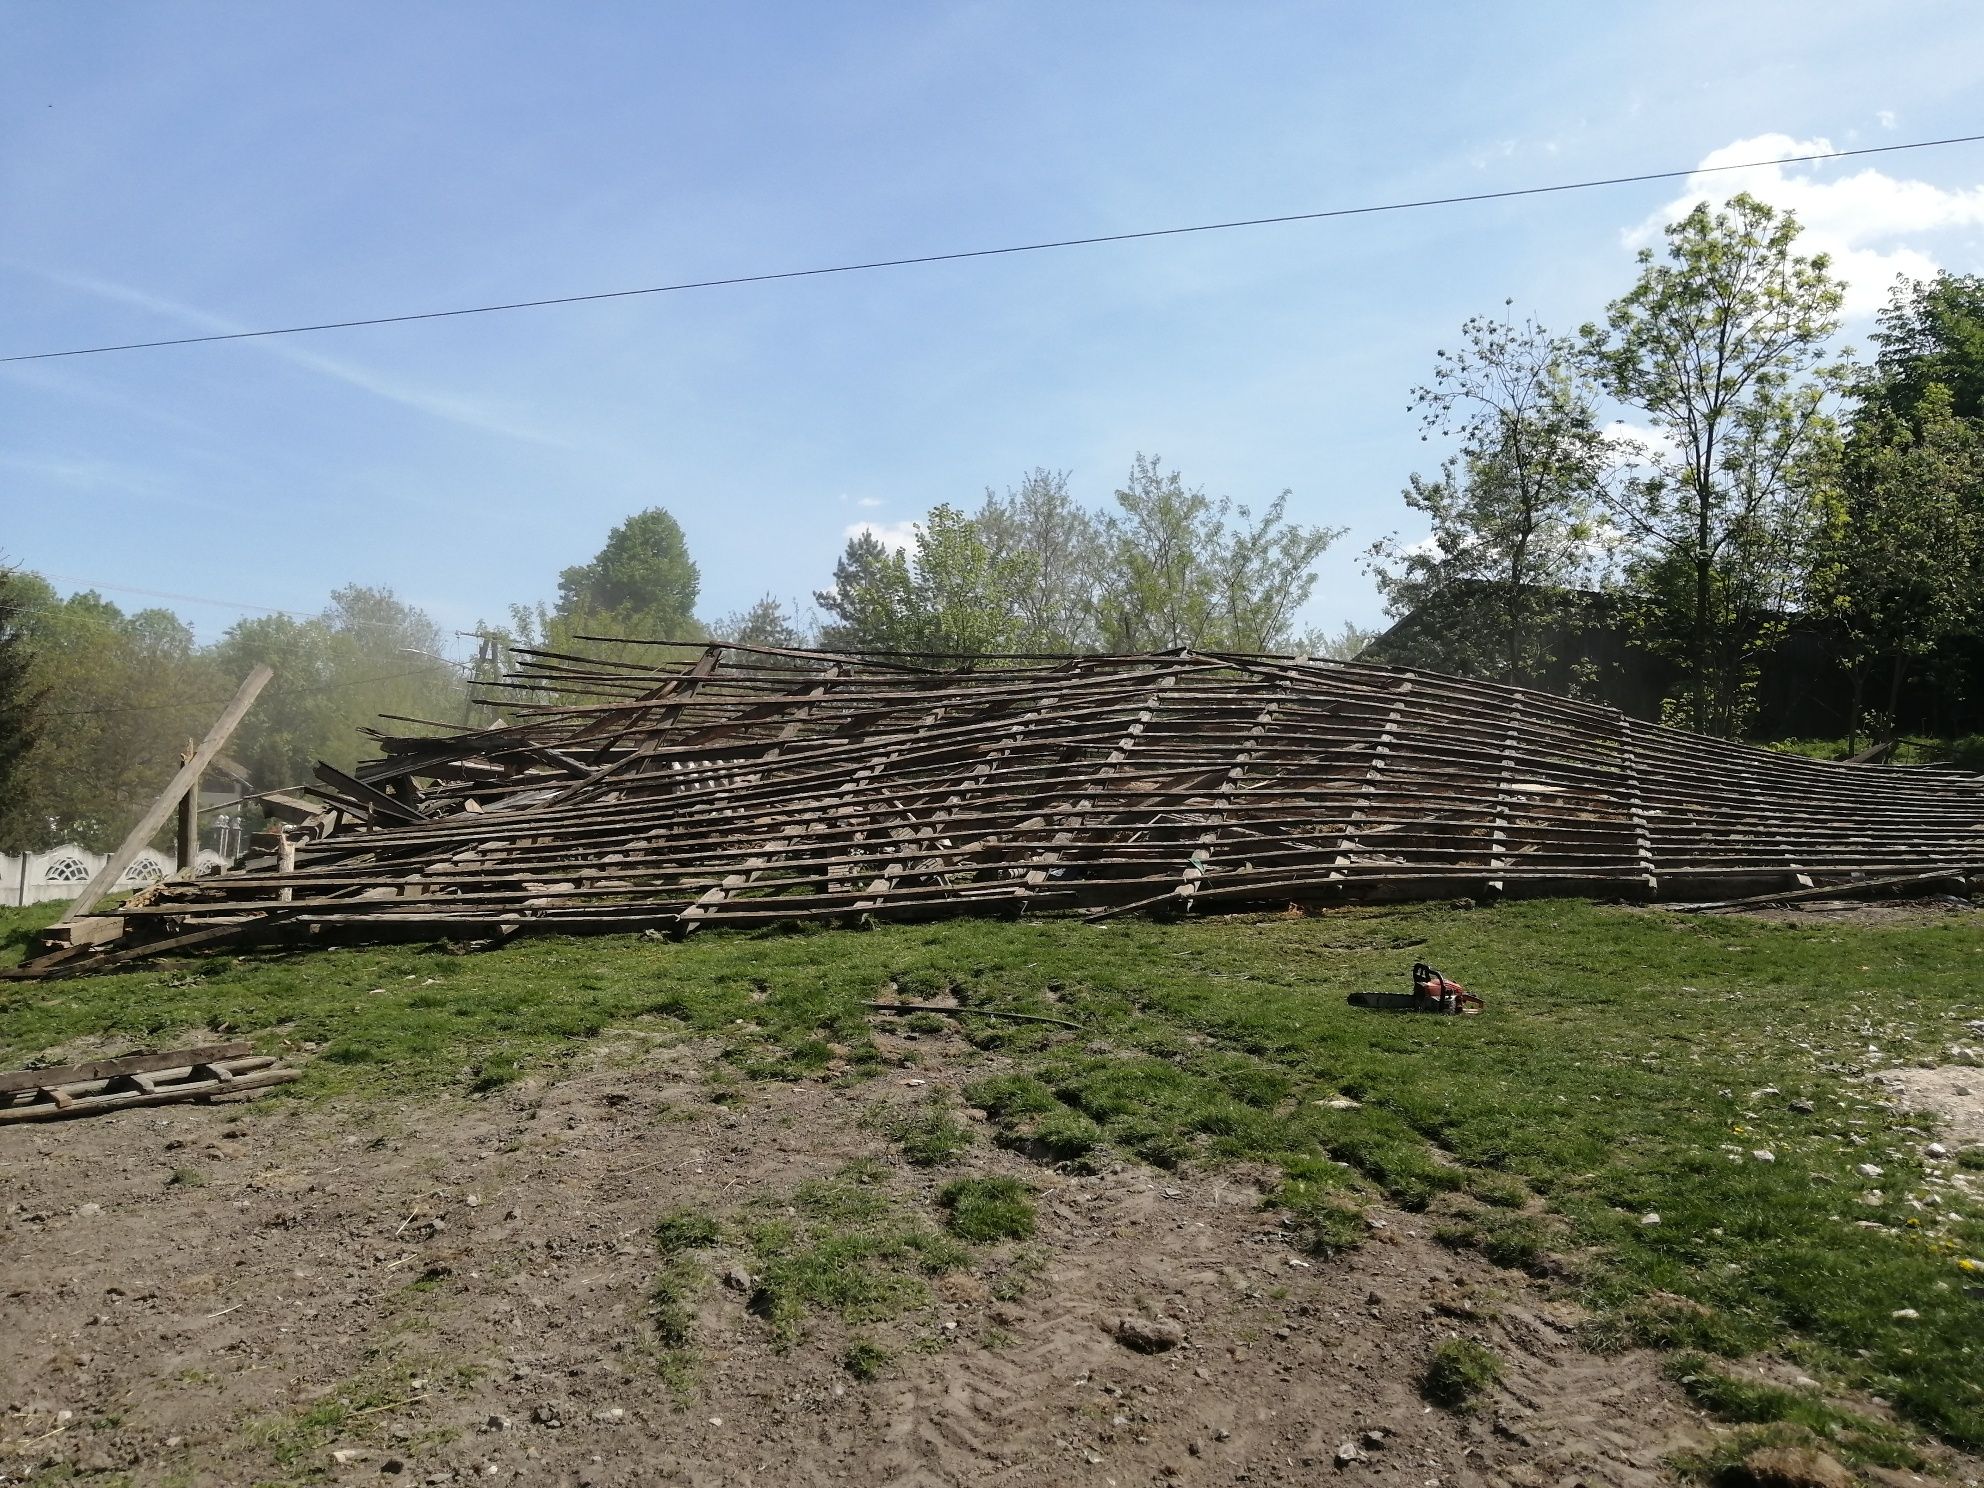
x: 189, y: 819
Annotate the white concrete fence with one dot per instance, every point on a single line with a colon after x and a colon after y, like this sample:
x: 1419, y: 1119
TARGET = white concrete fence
x: 61, y: 872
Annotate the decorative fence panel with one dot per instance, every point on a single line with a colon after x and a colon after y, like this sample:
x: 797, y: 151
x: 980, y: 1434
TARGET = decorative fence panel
x: 61, y: 872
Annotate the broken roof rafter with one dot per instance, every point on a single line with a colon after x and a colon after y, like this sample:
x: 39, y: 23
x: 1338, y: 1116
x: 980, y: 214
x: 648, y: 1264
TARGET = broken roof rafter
x: 747, y: 785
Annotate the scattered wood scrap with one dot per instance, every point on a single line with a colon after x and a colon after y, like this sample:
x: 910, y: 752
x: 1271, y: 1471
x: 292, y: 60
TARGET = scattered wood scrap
x: 1853, y: 889
x: 745, y: 786
x: 153, y: 1079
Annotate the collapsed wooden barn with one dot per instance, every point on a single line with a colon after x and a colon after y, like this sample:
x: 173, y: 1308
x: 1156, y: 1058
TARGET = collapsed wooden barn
x: 748, y: 786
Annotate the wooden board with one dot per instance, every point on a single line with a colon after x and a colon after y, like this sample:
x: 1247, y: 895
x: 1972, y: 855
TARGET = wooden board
x: 128, y: 1064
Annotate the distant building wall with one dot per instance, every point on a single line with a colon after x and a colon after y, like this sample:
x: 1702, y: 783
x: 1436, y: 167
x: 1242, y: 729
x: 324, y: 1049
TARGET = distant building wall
x: 61, y: 872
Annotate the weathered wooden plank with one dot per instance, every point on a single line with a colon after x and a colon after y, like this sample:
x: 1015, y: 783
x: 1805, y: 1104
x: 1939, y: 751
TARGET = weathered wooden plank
x: 127, y: 1064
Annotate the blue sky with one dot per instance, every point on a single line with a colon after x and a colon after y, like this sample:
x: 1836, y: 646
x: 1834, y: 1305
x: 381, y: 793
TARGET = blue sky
x: 173, y: 168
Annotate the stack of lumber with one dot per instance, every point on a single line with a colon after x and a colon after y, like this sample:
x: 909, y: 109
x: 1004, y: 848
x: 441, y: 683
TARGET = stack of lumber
x: 747, y: 786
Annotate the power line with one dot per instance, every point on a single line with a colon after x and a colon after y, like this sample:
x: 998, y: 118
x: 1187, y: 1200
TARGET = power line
x: 273, y: 693
x: 970, y: 253
x: 226, y: 604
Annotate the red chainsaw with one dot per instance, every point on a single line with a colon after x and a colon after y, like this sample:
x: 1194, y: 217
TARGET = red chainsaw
x: 1431, y: 993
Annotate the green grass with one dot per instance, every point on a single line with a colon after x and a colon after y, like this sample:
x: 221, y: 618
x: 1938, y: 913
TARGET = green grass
x: 982, y: 1210
x: 929, y: 1135
x: 1963, y: 752
x: 1859, y: 1439
x: 1460, y: 1373
x: 685, y: 1229
x: 1620, y: 1069
x: 866, y: 1360
x: 1522, y: 1242
x: 294, y: 1437
x: 851, y: 1249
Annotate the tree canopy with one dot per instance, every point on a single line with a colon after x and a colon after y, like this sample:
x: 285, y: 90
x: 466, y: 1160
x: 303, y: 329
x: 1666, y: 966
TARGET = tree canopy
x: 1513, y: 511
x: 642, y: 584
x: 1723, y: 345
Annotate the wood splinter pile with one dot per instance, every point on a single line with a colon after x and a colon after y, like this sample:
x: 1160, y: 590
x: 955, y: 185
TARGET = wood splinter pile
x: 748, y: 786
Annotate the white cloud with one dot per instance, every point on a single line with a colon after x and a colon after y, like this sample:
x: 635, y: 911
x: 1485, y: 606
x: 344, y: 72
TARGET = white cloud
x: 869, y: 501
x: 1871, y: 223
x: 1886, y: 116
x: 897, y: 535
x: 443, y: 406
x: 1625, y: 437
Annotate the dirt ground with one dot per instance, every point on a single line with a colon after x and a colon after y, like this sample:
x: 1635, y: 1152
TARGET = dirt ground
x: 478, y: 1271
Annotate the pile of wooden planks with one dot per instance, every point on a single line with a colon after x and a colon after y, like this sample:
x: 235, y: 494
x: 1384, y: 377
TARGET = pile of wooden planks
x: 137, y: 1080
x: 746, y: 786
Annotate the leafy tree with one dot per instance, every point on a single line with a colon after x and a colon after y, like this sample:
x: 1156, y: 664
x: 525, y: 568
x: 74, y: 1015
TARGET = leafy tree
x: 1052, y: 543
x: 960, y: 596
x: 1903, y: 545
x: 766, y: 623
x: 1346, y: 643
x: 1931, y: 334
x: 367, y: 655
x: 1514, y: 511
x: 947, y: 596
x: 22, y: 697
x: 641, y: 585
x: 1723, y: 346
x: 861, y: 584
x: 1174, y: 574
x: 125, y: 693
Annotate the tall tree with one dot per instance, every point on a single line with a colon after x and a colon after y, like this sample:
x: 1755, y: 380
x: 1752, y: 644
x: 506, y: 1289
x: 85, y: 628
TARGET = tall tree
x: 766, y: 623
x: 642, y: 584
x: 1175, y: 574
x: 1051, y: 542
x: 1903, y: 547
x: 125, y: 694
x: 856, y: 600
x: 22, y: 697
x: 1931, y: 334
x: 949, y: 593
x: 1723, y: 346
x: 369, y: 653
x: 1346, y: 643
x: 1513, y: 512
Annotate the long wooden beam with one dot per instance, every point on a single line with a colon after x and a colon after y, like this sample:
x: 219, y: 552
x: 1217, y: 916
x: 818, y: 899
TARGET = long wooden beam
x: 187, y: 779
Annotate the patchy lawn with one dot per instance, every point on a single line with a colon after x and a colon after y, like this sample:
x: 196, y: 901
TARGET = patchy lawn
x: 1665, y: 1112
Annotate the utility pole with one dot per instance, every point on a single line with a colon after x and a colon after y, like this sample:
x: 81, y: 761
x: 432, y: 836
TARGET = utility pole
x: 189, y: 817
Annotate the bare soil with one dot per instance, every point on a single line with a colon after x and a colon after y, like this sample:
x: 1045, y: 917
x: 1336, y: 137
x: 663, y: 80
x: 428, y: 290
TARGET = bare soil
x: 473, y: 1277
x: 1954, y: 1093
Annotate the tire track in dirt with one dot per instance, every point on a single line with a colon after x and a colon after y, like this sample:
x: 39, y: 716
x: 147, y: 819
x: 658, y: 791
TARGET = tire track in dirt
x: 315, y: 1226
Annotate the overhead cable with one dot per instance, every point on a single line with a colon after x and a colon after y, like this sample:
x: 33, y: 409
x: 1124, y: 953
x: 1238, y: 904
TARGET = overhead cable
x: 971, y: 253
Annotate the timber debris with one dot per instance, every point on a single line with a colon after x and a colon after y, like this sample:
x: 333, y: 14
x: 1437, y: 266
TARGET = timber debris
x: 751, y: 786
x: 153, y: 1079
